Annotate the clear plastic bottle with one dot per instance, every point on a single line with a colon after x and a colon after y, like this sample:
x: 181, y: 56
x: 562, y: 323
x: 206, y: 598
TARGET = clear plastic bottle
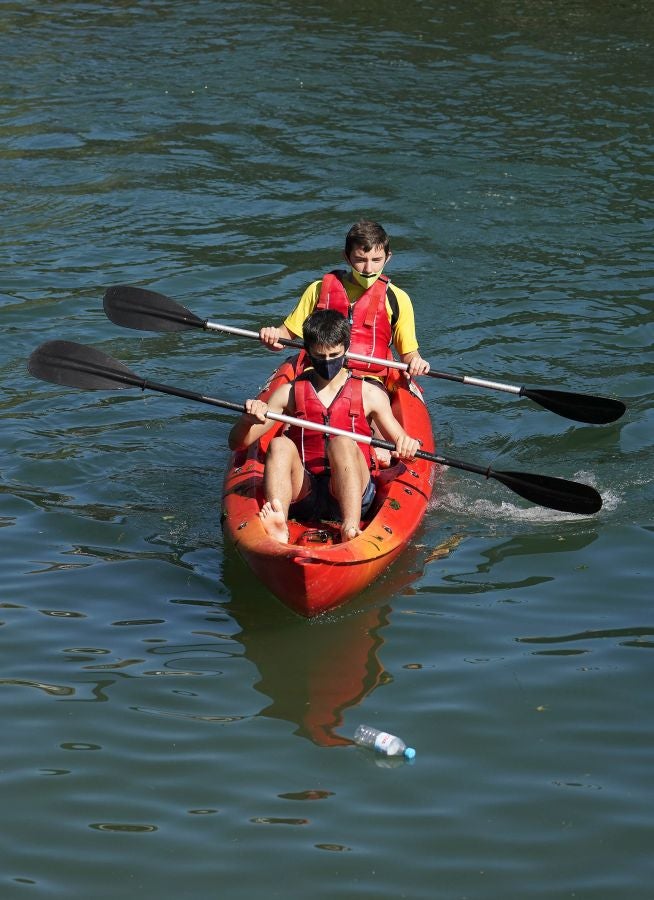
x: 382, y: 741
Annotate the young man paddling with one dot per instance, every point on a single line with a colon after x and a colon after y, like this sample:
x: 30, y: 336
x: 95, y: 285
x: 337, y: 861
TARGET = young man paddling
x: 380, y: 315
x: 309, y: 474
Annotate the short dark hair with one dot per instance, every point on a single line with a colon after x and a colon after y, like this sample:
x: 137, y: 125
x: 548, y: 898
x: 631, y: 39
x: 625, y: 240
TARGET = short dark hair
x: 367, y: 235
x: 326, y: 328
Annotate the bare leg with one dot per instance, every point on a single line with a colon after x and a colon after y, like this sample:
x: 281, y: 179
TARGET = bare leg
x: 349, y: 479
x: 283, y: 481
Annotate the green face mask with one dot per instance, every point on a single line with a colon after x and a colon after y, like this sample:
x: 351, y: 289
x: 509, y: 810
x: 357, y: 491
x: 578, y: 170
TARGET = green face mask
x: 365, y: 281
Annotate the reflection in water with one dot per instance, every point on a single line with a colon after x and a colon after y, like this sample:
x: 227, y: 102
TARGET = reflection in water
x: 56, y: 690
x: 91, y: 691
x: 314, y: 670
x: 533, y: 544
x: 445, y: 548
x: 40, y: 497
x: 636, y: 636
x: 172, y: 554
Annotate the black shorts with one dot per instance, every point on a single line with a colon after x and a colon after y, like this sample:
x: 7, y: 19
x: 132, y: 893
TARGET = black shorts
x: 320, y: 503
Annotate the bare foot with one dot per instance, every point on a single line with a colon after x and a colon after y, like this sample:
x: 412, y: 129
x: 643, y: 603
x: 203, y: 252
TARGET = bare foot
x: 349, y: 532
x: 274, y: 521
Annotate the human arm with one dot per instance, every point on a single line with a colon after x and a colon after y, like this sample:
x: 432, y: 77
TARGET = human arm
x: 378, y: 410
x: 404, y: 335
x: 253, y: 424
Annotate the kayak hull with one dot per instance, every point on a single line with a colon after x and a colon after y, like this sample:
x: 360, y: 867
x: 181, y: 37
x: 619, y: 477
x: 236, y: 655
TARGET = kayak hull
x: 315, y: 571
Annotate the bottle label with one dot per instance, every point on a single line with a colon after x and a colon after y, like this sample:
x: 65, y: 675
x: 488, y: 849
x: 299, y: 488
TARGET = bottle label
x: 382, y: 741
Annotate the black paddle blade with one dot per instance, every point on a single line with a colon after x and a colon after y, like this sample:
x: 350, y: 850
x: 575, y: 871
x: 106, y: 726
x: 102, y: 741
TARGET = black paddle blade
x: 579, y: 407
x: 79, y: 366
x: 555, y: 493
x: 135, y: 307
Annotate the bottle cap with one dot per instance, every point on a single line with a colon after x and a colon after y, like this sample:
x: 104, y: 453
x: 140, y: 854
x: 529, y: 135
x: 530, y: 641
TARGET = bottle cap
x: 410, y: 753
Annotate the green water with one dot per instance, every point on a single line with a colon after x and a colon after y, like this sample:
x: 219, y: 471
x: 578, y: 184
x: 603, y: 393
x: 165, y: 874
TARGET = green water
x: 170, y: 730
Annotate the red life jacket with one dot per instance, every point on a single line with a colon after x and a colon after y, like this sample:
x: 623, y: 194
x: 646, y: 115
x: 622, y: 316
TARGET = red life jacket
x: 345, y: 412
x: 371, y: 328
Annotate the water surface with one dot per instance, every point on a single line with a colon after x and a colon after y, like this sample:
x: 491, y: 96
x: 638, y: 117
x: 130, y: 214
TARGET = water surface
x: 170, y: 729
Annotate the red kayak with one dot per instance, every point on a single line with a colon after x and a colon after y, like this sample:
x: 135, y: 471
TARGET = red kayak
x: 315, y: 571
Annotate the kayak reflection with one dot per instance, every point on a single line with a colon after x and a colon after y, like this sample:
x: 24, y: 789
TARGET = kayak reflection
x: 313, y: 671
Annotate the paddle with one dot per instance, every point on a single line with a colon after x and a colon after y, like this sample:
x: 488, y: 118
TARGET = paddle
x: 79, y: 366
x: 146, y: 310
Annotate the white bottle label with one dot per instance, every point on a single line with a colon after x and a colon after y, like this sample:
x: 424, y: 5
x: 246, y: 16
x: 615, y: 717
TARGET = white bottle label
x: 382, y: 741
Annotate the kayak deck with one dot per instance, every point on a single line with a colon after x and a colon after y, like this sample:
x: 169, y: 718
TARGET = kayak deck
x: 316, y: 571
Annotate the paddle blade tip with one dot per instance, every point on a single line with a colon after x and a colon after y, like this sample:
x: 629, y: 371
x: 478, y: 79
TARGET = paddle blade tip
x: 619, y: 409
x: 44, y: 362
x: 145, y: 310
x: 77, y: 365
x: 553, y: 493
x: 590, y: 504
x: 586, y: 408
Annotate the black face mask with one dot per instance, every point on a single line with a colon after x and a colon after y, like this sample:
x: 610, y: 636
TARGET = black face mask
x: 327, y: 368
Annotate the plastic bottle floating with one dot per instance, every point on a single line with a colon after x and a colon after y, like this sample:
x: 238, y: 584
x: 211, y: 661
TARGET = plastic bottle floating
x: 382, y: 742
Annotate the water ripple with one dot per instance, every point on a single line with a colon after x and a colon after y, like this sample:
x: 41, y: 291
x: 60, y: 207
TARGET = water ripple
x: 219, y: 159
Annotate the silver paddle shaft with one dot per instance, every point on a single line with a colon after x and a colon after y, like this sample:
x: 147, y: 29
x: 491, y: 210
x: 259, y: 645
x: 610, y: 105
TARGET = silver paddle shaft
x: 375, y: 360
